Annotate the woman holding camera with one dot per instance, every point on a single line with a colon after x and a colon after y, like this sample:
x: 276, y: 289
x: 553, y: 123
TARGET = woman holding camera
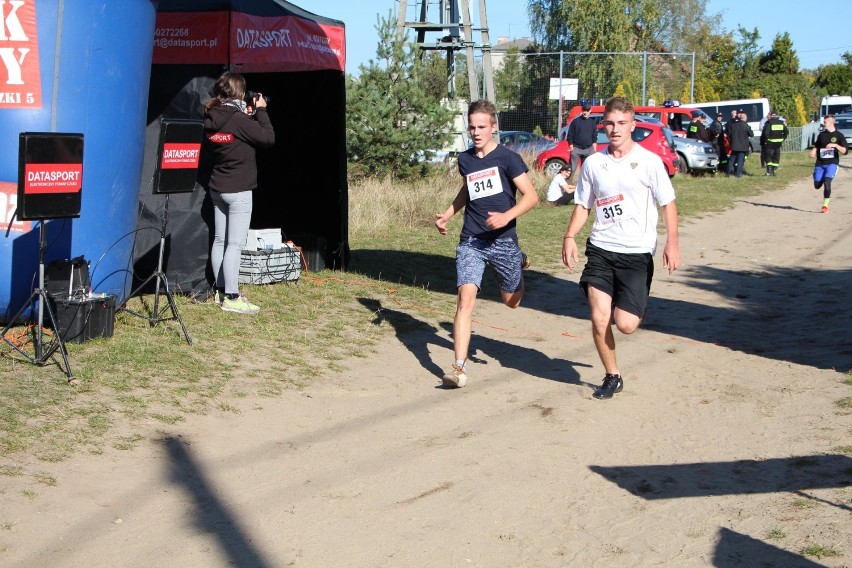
x: 231, y: 137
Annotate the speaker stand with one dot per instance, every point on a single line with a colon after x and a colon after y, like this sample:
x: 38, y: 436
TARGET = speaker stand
x: 162, y: 282
x: 41, y: 351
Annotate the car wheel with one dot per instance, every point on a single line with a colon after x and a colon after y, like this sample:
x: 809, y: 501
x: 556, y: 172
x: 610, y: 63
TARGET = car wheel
x: 554, y: 166
x: 682, y: 166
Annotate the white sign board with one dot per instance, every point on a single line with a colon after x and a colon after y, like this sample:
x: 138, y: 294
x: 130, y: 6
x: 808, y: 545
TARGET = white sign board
x: 563, y: 88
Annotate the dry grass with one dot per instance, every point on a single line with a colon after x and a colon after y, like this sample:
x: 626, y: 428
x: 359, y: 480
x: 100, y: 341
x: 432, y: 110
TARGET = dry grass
x: 375, y: 205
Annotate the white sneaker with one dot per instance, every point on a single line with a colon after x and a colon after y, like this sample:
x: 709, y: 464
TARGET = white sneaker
x: 241, y: 305
x: 455, y: 377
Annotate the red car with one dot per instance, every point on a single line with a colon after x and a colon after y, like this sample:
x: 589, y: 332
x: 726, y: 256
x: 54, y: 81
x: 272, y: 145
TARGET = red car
x: 658, y: 139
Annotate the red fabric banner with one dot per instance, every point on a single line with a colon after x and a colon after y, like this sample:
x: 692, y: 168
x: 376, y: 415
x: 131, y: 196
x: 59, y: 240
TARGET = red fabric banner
x: 191, y: 37
x: 20, y: 75
x: 288, y: 43
x: 257, y: 44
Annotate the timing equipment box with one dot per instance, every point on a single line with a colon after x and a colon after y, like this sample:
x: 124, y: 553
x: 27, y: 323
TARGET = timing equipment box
x: 67, y: 277
x: 270, y: 266
x: 82, y: 318
x: 264, y: 239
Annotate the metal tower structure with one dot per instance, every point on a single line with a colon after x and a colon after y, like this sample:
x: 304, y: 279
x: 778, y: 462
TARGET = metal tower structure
x: 451, y: 21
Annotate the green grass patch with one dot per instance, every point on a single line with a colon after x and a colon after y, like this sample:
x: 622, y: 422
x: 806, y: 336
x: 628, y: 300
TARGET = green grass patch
x: 819, y: 552
x: 776, y: 534
x: 845, y: 450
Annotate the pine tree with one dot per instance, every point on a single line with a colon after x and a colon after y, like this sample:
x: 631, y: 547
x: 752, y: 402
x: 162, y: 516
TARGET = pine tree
x: 393, y: 125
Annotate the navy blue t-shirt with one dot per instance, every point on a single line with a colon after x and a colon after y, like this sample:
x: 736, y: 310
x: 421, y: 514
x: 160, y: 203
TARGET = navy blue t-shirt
x: 489, y: 188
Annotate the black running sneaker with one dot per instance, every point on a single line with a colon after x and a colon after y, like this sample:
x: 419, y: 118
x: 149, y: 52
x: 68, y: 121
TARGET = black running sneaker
x: 611, y: 385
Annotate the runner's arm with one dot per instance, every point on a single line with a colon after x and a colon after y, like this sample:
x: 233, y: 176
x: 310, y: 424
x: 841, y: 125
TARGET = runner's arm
x: 441, y: 219
x: 570, y: 252
x: 671, y: 254
x: 528, y: 200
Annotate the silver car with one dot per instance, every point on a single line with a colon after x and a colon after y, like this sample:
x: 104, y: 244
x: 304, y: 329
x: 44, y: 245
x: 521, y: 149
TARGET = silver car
x: 843, y: 123
x: 695, y: 156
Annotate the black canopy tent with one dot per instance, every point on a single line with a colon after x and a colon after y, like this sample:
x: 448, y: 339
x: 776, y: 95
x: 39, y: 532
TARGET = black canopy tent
x: 295, y: 58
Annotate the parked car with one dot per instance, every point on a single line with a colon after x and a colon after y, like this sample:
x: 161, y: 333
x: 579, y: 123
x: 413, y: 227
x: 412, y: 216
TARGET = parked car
x: 676, y: 118
x: 554, y: 160
x: 520, y: 141
x: 843, y: 123
x: 654, y: 137
x: 695, y: 156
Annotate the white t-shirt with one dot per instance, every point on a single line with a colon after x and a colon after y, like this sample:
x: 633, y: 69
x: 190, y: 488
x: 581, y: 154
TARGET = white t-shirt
x: 624, y: 194
x: 554, y: 190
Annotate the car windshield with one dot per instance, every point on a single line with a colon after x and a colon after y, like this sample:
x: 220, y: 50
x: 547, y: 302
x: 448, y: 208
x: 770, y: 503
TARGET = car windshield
x: 669, y: 136
x: 651, y: 114
x: 843, y: 123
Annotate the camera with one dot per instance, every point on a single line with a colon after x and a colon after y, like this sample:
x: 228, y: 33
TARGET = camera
x: 252, y: 96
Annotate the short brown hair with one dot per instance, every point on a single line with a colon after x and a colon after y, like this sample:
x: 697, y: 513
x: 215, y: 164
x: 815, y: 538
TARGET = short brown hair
x: 618, y: 104
x: 483, y: 106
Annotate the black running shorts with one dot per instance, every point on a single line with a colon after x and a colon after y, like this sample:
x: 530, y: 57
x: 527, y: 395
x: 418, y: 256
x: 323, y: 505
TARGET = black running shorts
x: 626, y: 277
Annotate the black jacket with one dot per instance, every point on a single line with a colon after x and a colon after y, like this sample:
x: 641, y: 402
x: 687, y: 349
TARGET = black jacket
x: 230, y: 139
x: 774, y: 133
x: 582, y: 131
x: 740, y: 133
x: 697, y: 130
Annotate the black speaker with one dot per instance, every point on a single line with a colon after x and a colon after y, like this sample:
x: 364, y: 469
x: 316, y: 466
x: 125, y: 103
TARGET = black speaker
x: 50, y: 175
x: 177, y: 155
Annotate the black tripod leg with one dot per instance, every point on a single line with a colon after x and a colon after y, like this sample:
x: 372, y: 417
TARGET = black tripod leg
x: 42, y: 353
x: 58, y: 342
x: 29, y: 303
x: 151, y: 319
x: 174, y: 308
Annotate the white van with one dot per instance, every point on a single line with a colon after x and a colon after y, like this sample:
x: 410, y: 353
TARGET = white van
x: 835, y: 104
x: 755, y: 109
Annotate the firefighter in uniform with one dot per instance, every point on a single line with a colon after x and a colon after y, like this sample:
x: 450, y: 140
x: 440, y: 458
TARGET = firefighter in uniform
x: 773, y: 134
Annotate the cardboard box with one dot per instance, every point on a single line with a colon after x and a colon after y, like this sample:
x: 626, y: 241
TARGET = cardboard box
x: 81, y: 318
x: 270, y: 266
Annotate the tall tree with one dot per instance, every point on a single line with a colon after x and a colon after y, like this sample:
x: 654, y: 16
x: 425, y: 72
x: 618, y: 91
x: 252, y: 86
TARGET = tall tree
x: 835, y: 79
x: 392, y: 124
x: 748, y: 53
x: 510, y: 79
x: 781, y: 58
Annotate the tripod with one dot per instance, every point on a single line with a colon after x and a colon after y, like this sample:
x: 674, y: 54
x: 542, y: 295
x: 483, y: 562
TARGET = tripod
x: 42, y: 352
x: 162, y: 280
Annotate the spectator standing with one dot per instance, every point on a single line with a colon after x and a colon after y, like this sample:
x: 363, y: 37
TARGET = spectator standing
x: 231, y: 138
x: 581, y: 136
x: 624, y: 184
x: 771, y: 137
x: 492, y: 176
x: 734, y: 118
x: 739, y: 134
x: 829, y: 146
x: 697, y: 129
x: 717, y: 131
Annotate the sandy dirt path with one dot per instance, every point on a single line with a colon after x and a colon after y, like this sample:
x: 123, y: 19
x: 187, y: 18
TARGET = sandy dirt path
x: 723, y: 449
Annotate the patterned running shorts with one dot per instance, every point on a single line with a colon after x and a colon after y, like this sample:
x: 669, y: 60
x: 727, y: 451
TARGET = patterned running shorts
x: 504, y: 256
